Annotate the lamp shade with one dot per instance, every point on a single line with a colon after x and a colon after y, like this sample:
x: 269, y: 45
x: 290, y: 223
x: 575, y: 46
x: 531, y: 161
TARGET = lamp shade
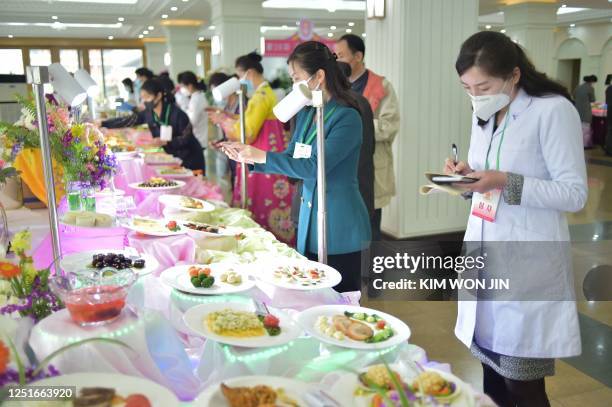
x: 225, y: 89
x: 291, y: 104
x: 66, y: 86
x: 87, y: 82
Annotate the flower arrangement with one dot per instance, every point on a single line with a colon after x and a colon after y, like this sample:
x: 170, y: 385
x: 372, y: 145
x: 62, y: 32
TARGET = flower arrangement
x: 79, y: 149
x: 29, y: 289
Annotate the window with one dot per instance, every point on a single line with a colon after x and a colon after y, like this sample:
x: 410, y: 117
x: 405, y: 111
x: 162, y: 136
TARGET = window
x: 70, y: 59
x: 118, y: 64
x: 200, y: 62
x: 12, y: 62
x: 40, y: 57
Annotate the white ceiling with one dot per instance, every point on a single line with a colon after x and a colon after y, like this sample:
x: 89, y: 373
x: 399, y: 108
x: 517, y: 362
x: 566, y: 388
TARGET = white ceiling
x: 99, y: 18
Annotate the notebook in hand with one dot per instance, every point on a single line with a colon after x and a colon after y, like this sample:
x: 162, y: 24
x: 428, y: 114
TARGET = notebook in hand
x: 445, y: 183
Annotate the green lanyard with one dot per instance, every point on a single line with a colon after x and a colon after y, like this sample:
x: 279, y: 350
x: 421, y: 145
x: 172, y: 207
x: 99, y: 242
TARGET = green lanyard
x: 308, y: 123
x: 501, y: 141
x: 167, y: 114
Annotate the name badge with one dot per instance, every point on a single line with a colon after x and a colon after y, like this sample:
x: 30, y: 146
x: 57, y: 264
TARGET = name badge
x: 485, y: 205
x: 302, y: 150
x: 165, y: 133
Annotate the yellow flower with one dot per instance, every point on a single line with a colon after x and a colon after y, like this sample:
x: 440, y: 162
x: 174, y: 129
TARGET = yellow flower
x: 21, y: 242
x: 29, y: 273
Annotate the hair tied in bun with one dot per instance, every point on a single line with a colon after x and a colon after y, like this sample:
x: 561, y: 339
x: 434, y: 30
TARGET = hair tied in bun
x: 255, y: 56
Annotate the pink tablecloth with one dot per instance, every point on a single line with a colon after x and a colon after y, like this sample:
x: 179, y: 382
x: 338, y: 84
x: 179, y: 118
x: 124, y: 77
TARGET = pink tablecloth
x: 169, y: 251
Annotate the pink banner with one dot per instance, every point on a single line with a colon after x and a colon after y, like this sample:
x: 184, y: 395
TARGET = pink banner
x: 283, y: 48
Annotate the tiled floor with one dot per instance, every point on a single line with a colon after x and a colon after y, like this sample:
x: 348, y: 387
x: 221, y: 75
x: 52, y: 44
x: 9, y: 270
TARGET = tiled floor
x: 576, y: 381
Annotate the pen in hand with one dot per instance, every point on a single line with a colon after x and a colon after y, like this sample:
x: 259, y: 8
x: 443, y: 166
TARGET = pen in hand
x: 455, y: 155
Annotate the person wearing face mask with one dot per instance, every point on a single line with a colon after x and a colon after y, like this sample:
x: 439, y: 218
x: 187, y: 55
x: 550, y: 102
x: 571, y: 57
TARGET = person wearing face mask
x: 385, y: 107
x: 193, y: 89
x: 584, y: 95
x: 228, y: 106
x: 168, y: 124
x: 142, y: 75
x: 181, y: 96
x: 269, y: 196
x: 526, y: 154
x: 348, y: 225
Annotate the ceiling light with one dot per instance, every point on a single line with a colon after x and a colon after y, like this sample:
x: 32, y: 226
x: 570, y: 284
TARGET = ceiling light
x: 572, y: 25
x: 212, y: 27
x: 150, y: 27
x: 173, y: 8
x: 121, y: 19
x: 61, y: 26
x: 141, y: 36
x: 185, y: 1
x: 488, y: 26
x: 53, y: 17
x: 348, y: 30
x: 333, y: 27
x: 164, y: 15
x: 351, y: 24
x: 10, y: 35
x: 201, y: 39
x: 285, y: 27
x: 503, y: 31
x: 145, y: 32
x: 363, y: 35
x: 563, y: 5
x: 330, y: 35
x: 110, y: 37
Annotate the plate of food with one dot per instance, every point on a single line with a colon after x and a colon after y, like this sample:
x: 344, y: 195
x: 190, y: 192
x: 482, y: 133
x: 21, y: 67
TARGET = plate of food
x: 141, y: 264
x: 254, y: 391
x: 107, y: 192
x: 199, y: 230
x: 87, y: 219
x: 379, y: 385
x: 157, y: 184
x: 298, y: 274
x: 175, y: 171
x: 353, y: 327
x: 155, y: 227
x: 162, y: 159
x: 210, y: 279
x: 239, y: 324
x: 186, y: 203
x: 110, y: 389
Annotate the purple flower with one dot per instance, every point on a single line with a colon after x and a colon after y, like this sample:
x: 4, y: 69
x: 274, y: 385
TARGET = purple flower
x: 51, y: 99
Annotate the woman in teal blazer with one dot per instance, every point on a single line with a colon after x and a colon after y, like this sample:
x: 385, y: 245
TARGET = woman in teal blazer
x: 348, y: 224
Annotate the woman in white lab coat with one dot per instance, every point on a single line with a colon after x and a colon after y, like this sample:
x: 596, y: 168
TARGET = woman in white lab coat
x: 193, y: 89
x: 526, y: 151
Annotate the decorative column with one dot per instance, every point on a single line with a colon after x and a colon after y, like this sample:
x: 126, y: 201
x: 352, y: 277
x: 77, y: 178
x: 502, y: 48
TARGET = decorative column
x: 415, y: 47
x: 532, y: 25
x: 237, y: 28
x: 182, y: 44
x: 155, y: 48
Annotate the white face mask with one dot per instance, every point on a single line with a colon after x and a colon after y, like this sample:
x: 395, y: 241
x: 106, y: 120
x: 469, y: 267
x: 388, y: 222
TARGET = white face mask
x: 184, y: 91
x: 486, y: 106
x: 304, y: 82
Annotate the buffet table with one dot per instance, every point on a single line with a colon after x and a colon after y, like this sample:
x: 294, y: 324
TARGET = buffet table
x: 158, y: 344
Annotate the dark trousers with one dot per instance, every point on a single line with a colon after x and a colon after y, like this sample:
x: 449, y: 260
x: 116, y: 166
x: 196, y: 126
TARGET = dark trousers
x: 349, y: 266
x: 608, y: 142
x: 514, y: 393
x: 375, y: 221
